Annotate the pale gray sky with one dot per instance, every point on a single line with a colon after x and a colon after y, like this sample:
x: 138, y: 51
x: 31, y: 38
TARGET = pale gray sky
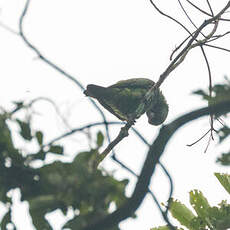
x: 102, y: 42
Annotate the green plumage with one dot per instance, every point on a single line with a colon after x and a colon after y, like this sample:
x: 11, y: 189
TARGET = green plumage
x: 123, y: 98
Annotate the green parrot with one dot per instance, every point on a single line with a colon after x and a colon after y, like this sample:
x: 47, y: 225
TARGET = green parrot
x: 122, y: 99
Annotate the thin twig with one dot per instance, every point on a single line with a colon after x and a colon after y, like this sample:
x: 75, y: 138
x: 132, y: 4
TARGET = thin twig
x: 210, y: 87
x: 73, y: 131
x: 54, y: 66
x: 220, y: 121
x: 217, y: 47
x: 210, y: 8
x: 195, y: 6
x: 219, y: 36
x: 163, y: 213
x: 189, y: 145
x: 168, y: 16
x: 215, y: 37
x: 178, y: 47
x: 155, y: 152
x: 209, y: 140
x: 124, y: 132
x: 161, y: 165
x: 204, y: 12
x: 177, y: 60
x: 8, y: 28
x: 187, y: 14
x: 55, y: 107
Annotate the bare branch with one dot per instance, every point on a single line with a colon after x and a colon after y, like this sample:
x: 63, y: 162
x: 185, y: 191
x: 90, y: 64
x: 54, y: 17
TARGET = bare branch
x: 210, y: 8
x: 71, y: 132
x: 55, y: 107
x: 8, y: 28
x: 155, y: 152
x: 168, y: 16
x: 217, y: 47
x: 122, y: 134
x: 195, y: 6
x: 204, y: 12
x: 195, y: 142
x: 174, y: 64
x: 187, y: 14
x: 164, y: 213
x: 219, y: 36
x: 54, y: 66
x: 181, y: 56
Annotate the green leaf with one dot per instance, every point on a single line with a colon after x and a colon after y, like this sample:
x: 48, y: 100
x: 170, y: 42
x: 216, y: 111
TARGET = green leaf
x: 25, y: 129
x: 181, y: 212
x: 202, y: 93
x: 199, y: 203
x: 57, y: 149
x: 220, y: 216
x: 18, y: 103
x: 39, y: 206
x: 40, y: 155
x: 39, y: 136
x: 100, y: 139
x: 224, y: 159
x: 224, y: 179
x: 223, y: 133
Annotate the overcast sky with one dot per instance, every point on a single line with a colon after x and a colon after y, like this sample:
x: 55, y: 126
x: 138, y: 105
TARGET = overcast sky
x: 102, y: 42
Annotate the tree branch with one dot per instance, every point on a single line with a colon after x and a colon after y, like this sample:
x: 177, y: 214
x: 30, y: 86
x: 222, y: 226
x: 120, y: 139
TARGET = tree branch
x: 56, y: 67
x: 155, y: 152
x: 173, y: 65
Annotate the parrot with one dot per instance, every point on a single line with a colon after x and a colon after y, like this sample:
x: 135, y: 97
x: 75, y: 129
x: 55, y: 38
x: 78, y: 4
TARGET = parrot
x: 123, y: 98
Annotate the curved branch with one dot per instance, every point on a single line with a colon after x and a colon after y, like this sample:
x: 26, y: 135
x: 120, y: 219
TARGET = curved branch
x: 56, y: 67
x: 155, y: 152
x: 72, y: 131
x: 168, y: 16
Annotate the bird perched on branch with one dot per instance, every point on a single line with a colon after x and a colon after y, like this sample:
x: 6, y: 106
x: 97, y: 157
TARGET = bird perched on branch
x: 123, y: 98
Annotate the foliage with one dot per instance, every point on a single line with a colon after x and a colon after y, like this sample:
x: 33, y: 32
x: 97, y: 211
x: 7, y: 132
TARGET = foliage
x: 76, y: 185
x: 207, y: 217
x: 220, y: 93
x: 224, y: 159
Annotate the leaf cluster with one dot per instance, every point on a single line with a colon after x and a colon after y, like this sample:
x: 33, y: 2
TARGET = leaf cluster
x: 207, y: 217
x: 219, y: 93
x: 76, y: 186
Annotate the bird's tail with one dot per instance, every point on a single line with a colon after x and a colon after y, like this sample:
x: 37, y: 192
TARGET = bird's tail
x: 94, y: 91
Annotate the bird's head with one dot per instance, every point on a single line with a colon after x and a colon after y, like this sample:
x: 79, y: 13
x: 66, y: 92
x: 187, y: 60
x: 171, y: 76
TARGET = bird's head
x: 158, y: 113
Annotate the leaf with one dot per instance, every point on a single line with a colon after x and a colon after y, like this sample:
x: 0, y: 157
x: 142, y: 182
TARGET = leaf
x: 202, y: 93
x: 25, y: 129
x: 57, y: 149
x: 224, y: 159
x: 39, y: 206
x: 181, y: 212
x: 40, y: 155
x: 19, y: 104
x: 100, y: 139
x: 220, y: 216
x: 224, y: 179
x: 199, y: 203
x: 223, y: 133
x: 39, y: 136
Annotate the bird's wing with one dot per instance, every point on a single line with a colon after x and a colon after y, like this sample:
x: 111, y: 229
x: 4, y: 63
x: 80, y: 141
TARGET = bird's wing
x: 134, y: 83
